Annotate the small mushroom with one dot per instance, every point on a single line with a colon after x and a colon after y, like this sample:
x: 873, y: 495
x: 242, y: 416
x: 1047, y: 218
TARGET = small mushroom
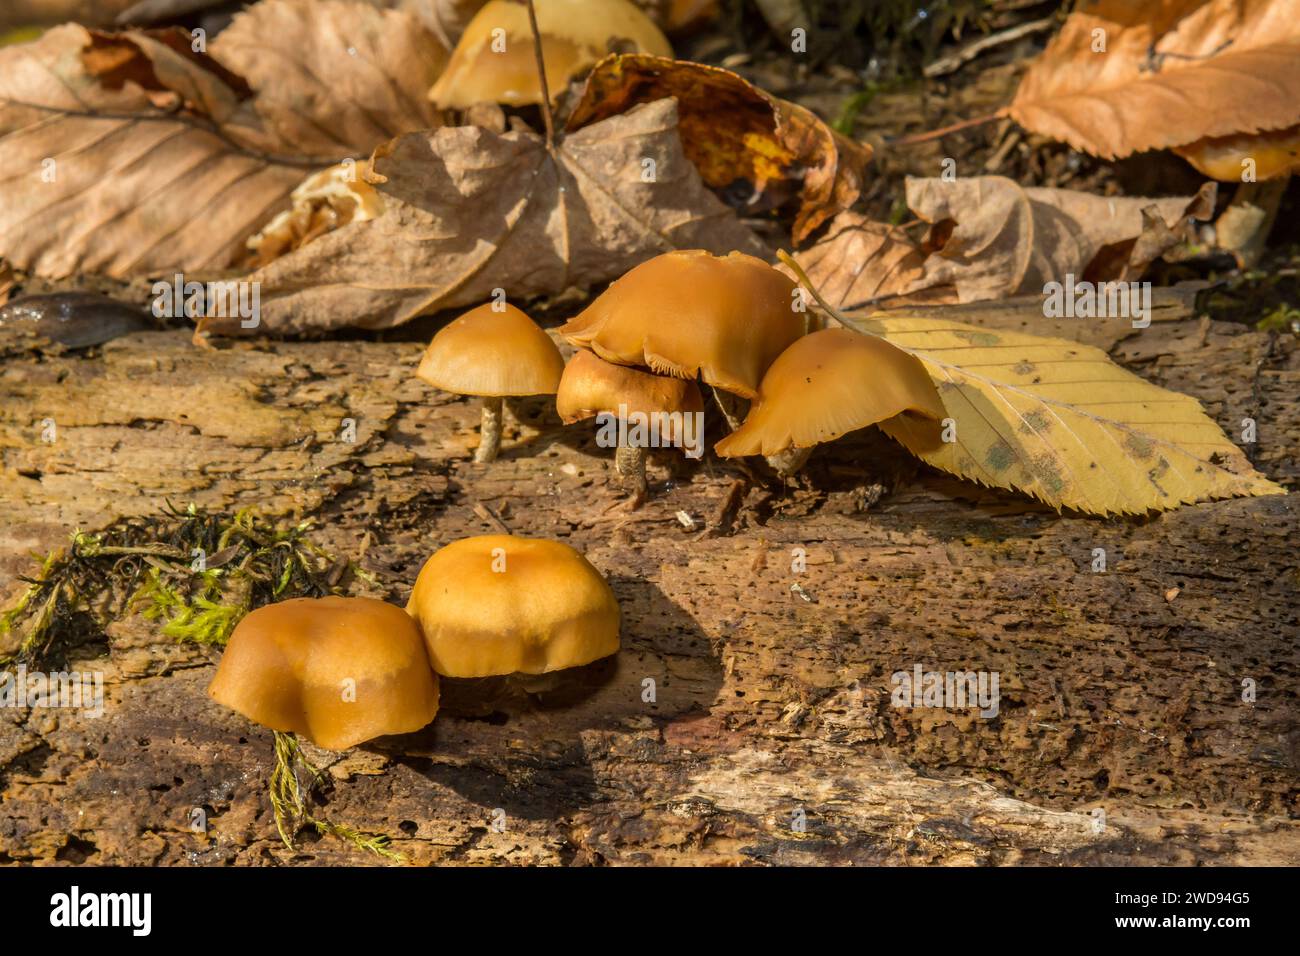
x: 497, y: 604
x: 338, y: 671
x: 492, y: 353
x: 495, y: 60
x: 1269, y: 157
x: 828, y: 384
x: 725, y: 318
x: 654, y: 404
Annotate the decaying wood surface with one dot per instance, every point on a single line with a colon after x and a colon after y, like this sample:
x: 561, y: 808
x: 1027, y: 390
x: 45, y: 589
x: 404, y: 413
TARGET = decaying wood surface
x: 1121, y: 691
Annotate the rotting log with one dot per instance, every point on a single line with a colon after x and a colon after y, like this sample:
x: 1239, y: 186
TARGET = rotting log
x: 1120, y: 691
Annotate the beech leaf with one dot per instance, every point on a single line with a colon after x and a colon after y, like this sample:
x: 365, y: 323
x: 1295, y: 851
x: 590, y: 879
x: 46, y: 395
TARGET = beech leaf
x: 130, y: 153
x: 1124, y: 77
x: 1061, y: 422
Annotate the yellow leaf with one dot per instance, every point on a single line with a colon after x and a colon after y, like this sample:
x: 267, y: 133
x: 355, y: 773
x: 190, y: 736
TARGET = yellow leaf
x: 1060, y: 421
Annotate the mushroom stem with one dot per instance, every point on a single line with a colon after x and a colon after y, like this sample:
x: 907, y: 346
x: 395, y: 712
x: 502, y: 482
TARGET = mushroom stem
x: 788, y: 462
x: 1245, y: 224
x: 490, y: 433
x: 629, y: 462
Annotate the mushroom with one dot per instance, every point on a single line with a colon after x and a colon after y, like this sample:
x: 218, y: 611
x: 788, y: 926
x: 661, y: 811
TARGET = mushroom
x: 725, y: 318
x: 492, y: 352
x: 1272, y: 156
x: 336, y: 670
x: 497, y: 605
x: 825, y: 385
x: 495, y: 59
x: 652, y: 407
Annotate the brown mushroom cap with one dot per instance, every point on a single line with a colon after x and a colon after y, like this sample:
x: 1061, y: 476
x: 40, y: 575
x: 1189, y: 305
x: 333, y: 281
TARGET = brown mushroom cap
x: 828, y: 384
x: 498, y: 604
x: 486, y: 352
x: 685, y: 313
x: 292, y: 666
x: 1275, y: 152
x: 590, y: 386
x: 575, y: 34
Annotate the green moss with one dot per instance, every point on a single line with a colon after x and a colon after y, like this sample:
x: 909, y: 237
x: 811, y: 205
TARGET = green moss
x: 291, y: 801
x: 194, y: 572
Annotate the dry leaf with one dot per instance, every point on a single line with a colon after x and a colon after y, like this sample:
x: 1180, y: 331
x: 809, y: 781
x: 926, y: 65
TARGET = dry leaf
x: 6, y: 281
x: 1171, y: 73
x: 736, y: 134
x: 468, y: 210
x: 994, y: 238
x: 333, y: 78
x: 323, y: 202
x: 991, y: 238
x: 859, y: 261
x: 129, y: 153
x: 1060, y: 421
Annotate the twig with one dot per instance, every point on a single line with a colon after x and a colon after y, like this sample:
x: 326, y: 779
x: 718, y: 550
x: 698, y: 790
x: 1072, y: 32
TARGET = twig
x: 547, y: 118
x: 956, y: 61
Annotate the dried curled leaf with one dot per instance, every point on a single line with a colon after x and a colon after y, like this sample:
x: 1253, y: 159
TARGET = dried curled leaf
x: 324, y: 201
x: 1060, y: 421
x: 860, y: 261
x: 130, y: 153
x: 991, y: 238
x: 737, y: 135
x: 468, y: 210
x: 1124, y: 77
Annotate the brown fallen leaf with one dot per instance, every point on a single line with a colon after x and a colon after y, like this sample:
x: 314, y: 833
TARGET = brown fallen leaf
x: 737, y: 135
x: 335, y: 77
x: 990, y: 238
x: 859, y: 261
x: 6, y: 281
x: 467, y: 211
x: 130, y: 153
x: 1000, y: 239
x: 1124, y: 77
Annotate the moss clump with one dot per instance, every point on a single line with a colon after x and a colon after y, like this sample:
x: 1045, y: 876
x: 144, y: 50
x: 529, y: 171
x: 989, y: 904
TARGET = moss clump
x: 197, y: 573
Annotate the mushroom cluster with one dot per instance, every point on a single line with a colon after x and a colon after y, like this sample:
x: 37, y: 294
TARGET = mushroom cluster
x: 341, y: 671
x: 679, y: 322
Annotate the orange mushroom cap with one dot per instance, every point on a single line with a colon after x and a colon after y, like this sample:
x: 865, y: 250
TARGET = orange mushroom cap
x: 828, y: 384
x: 338, y: 671
x: 591, y: 386
x: 1276, y: 153
x: 491, y: 353
x: 725, y: 318
x: 498, y: 604
x: 575, y: 34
